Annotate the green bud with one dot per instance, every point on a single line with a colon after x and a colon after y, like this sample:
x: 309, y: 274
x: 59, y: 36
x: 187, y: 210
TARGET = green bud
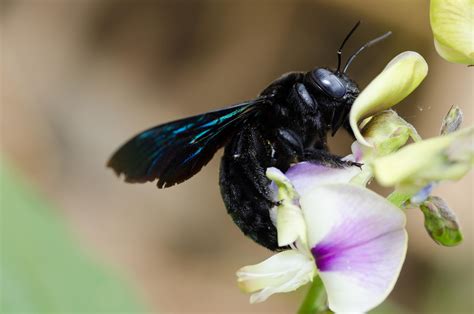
x: 441, y: 222
x: 452, y: 121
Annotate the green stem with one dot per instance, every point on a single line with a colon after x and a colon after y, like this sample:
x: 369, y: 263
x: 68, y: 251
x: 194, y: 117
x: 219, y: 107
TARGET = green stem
x: 399, y: 199
x: 315, y: 300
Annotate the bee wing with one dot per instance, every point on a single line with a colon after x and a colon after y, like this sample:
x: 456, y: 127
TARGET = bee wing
x: 175, y: 151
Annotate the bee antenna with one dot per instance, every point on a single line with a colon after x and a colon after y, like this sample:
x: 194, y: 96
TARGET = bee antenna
x: 367, y: 45
x: 339, y: 52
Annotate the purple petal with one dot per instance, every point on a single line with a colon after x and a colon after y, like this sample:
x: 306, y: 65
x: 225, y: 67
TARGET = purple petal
x: 358, y: 241
x: 353, y: 247
x: 305, y: 175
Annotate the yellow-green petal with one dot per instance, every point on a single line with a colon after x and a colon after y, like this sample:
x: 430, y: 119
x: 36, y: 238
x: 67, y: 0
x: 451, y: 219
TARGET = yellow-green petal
x: 447, y: 157
x: 452, y: 23
x: 399, y: 78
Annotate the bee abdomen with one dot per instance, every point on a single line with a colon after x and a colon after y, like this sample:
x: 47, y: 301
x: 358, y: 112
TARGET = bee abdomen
x: 245, y: 188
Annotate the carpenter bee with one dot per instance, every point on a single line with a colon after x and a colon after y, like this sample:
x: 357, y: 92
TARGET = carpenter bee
x: 287, y: 123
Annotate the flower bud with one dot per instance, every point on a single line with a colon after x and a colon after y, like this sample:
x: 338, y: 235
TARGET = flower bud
x: 440, y: 222
x: 452, y: 121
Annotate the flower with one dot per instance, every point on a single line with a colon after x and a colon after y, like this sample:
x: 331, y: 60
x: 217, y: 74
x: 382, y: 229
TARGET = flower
x: 417, y: 168
x: 355, y: 240
x: 399, y: 78
x: 452, y: 23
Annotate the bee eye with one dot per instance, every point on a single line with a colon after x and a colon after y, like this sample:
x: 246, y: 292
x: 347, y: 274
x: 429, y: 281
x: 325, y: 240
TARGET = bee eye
x: 329, y: 83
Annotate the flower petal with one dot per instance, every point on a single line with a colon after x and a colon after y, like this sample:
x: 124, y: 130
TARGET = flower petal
x: 305, y: 175
x: 283, y: 272
x: 287, y: 216
x: 359, y: 243
x: 399, y: 78
x: 452, y: 23
x: 281, y: 186
x: 386, y: 132
x: 447, y: 157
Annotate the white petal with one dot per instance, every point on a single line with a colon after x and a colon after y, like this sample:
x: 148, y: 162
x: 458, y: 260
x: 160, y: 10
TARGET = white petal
x: 290, y: 224
x: 287, y: 216
x: 281, y: 185
x: 452, y: 22
x: 283, y: 272
x: 305, y: 175
x: 329, y: 206
x: 359, y: 243
x: 399, y: 78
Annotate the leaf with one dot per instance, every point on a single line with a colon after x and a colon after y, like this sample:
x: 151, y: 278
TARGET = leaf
x: 42, y: 269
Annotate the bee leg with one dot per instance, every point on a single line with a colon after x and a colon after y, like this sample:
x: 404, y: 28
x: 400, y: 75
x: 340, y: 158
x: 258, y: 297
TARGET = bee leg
x: 287, y: 146
x: 325, y: 158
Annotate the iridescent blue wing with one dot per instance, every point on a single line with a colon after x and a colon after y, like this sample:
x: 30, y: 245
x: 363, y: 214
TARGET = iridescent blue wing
x: 175, y: 151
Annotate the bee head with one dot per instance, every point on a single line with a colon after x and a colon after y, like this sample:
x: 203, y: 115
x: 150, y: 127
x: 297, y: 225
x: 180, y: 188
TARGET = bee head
x: 335, y: 88
x: 336, y: 93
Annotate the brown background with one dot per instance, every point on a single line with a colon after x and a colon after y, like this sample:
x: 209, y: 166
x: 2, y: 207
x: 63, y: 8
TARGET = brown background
x: 79, y: 77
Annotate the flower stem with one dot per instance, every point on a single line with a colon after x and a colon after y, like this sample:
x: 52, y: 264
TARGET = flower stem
x: 315, y: 300
x: 399, y: 199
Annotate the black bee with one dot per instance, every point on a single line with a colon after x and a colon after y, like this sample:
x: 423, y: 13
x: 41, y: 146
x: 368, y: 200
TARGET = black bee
x: 287, y: 123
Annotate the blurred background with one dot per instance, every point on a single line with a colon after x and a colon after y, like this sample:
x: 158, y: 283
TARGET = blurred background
x: 80, y: 77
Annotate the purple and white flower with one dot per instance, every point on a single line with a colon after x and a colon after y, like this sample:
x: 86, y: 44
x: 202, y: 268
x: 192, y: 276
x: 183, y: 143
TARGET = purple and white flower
x: 354, y: 239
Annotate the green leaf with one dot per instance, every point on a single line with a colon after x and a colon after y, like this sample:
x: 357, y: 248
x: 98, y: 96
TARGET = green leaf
x: 441, y: 222
x: 42, y: 268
